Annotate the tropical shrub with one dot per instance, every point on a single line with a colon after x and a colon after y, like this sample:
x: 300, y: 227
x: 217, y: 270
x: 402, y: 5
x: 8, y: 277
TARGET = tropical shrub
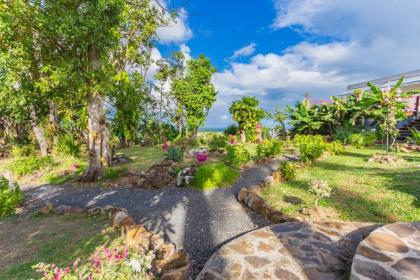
x: 268, y: 148
x: 310, y: 147
x: 175, y: 153
x: 289, y: 170
x: 23, y: 151
x: 107, y: 264
x: 357, y: 140
x: 415, y: 136
x: 10, y: 197
x: 218, y: 142
x: 231, y: 130
x: 320, y: 189
x: 29, y: 165
x: 68, y: 145
x: 335, y: 147
x: 344, y: 132
x: 370, y: 138
x: 214, y: 175
x: 237, y: 155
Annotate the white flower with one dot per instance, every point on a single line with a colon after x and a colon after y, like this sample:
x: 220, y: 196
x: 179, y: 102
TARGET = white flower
x: 135, y: 265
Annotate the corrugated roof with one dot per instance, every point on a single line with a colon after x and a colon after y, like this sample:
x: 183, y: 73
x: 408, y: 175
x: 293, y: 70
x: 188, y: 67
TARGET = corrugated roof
x: 389, y: 79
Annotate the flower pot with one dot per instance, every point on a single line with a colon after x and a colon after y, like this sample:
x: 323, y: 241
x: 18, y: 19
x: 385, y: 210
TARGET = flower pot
x: 201, y: 157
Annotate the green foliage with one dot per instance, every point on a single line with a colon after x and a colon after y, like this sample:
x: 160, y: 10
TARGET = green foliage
x: 218, y: 142
x: 113, y: 173
x: 175, y: 153
x: 237, y: 155
x: 357, y: 140
x: 289, y: 170
x: 68, y: 145
x: 310, y: 147
x: 231, y: 130
x: 370, y: 137
x: 23, y: 151
x: 335, y: 147
x: 269, y: 148
x: 194, y: 92
x: 247, y: 114
x: 415, y: 136
x: 10, y: 197
x: 344, y: 132
x: 29, y: 165
x: 214, y: 175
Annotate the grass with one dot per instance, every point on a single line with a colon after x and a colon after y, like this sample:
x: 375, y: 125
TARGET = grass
x: 214, y: 175
x: 26, y: 241
x: 362, y: 191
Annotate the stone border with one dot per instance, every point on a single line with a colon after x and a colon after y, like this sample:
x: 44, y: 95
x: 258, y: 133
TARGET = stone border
x: 169, y: 263
x: 250, y: 197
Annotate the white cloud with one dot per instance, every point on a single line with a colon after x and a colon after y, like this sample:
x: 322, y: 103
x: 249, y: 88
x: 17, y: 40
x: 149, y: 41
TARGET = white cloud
x: 365, y: 40
x: 186, y: 51
x: 177, y: 31
x: 244, y: 51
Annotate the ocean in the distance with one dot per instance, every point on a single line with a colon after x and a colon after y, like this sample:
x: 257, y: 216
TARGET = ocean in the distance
x: 211, y: 129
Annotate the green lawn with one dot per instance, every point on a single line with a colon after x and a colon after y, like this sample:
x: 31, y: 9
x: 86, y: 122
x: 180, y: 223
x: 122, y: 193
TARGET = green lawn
x: 26, y: 241
x: 362, y: 191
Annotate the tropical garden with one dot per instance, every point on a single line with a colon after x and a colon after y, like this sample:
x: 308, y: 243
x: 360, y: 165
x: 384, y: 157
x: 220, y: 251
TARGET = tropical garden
x: 80, y: 109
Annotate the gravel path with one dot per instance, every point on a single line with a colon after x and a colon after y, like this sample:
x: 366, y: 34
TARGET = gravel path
x: 199, y: 222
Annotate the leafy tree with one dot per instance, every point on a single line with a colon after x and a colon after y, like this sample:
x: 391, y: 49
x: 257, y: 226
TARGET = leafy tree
x: 195, y: 93
x: 247, y: 114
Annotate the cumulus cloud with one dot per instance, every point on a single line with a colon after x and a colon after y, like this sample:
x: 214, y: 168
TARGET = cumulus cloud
x: 177, y: 30
x: 364, y: 40
x: 244, y: 51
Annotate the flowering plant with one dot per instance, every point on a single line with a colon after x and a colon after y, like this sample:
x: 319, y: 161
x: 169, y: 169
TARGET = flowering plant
x: 105, y: 264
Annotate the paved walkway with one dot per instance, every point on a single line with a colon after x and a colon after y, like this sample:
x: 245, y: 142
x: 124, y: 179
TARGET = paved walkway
x: 199, y: 222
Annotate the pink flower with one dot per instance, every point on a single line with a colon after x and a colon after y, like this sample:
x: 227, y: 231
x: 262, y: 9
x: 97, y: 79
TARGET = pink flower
x: 126, y: 253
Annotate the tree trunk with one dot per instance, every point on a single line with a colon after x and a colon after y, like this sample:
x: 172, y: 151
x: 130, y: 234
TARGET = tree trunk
x: 39, y: 134
x: 98, y: 138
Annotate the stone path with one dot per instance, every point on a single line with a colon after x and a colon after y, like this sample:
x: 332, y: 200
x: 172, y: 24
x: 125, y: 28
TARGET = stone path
x: 199, y: 222
x: 290, y: 251
x: 390, y: 252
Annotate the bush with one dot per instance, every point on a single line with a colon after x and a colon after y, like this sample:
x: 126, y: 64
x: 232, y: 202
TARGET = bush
x: 28, y: 165
x: 231, y: 130
x: 23, y: 151
x: 67, y: 145
x: 113, y: 173
x: 175, y: 153
x: 335, y: 147
x: 343, y: 133
x: 10, y: 197
x: 320, y: 189
x: 310, y: 147
x: 269, y: 148
x: 237, y: 155
x: 214, y: 175
x: 288, y: 170
x: 357, y: 140
x: 415, y: 136
x: 218, y: 142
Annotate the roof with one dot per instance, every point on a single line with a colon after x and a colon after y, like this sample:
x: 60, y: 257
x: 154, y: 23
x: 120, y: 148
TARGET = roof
x: 412, y: 77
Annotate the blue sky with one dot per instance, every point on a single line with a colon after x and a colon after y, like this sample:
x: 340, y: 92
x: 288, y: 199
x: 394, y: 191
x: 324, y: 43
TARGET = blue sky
x: 278, y: 50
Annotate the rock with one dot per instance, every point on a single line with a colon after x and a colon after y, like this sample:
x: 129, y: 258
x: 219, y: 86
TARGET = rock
x: 386, y: 242
x: 276, y: 176
x: 94, y: 211
x: 64, y: 209
x: 137, y: 236
x: 269, y: 181
x: 156, y: 241
x: 261, y: 207
x: 243, y: 193
x: 177, y: 260
x: 185, y: 176
x: 181, y: 273
x: 47, y: 209
x: 166, y: 251
x: 120, y: 218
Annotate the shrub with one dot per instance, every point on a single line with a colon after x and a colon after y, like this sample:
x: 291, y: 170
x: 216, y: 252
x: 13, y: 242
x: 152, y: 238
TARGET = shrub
x: 107, y: 264
x: 237, y: 155
x: 218, y: 142
x: 415, y: 136
x: 23, y: 151
x: 335, y: 147
x: 370, y: 138
x: 269, y: 148
x: 214, y: 175
x: 10, y: 197
x: 343, y: 133
x: 320, y: 189
x: 288, y: 170
x: 175, y: 153
x: 357, y: 140
x: 113, y: 173
x: 231, y: 130
x: 68, y: 145
x: 28, y: 165
x: 310, y: 147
